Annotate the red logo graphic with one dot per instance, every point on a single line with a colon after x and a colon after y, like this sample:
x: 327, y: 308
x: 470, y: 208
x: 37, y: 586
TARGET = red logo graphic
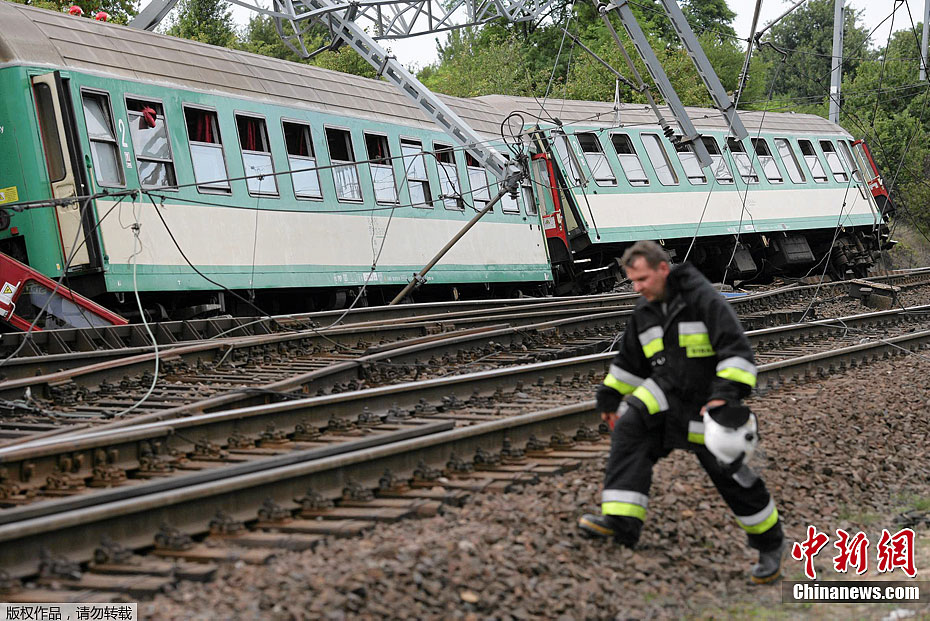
x: 897, y: 551
x: 808, y: 550
x: 852, y: 551
x: 893, y: 551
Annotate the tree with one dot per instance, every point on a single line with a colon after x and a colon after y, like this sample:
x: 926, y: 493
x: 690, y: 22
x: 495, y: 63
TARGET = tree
x: 207, y: 21
x: 261, y: 37
x: 806, y: 35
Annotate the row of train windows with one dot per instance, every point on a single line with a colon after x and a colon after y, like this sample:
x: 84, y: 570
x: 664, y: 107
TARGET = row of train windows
x: 630, y: 162
x: 149, y: 134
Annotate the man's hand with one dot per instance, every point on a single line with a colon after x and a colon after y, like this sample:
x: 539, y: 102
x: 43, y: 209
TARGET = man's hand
x: 610, y: 418
x: 713, y: 403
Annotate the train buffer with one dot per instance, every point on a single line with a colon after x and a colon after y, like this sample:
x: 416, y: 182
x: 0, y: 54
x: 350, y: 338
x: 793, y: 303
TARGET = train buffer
x: 24, y: 292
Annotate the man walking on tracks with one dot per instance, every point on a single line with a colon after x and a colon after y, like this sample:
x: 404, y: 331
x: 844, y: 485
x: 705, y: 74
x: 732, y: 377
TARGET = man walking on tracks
x: 682, y: 368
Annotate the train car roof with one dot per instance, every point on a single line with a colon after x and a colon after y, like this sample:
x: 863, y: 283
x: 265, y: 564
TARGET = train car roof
x: 39, y: 37
x: 603, y: 114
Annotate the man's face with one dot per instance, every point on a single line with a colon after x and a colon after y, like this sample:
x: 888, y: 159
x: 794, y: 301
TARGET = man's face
x: 648, y: 281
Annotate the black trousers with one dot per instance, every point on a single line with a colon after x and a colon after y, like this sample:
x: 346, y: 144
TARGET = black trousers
x: 640, y: 440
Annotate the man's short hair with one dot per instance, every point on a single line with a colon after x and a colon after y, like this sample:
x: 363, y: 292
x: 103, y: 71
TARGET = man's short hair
x: 649, y: 250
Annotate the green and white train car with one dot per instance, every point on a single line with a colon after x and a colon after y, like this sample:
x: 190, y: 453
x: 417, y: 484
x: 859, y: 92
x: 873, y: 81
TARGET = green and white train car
x: 797, y: 189
x: 289, y: 181
x: 90, y: 107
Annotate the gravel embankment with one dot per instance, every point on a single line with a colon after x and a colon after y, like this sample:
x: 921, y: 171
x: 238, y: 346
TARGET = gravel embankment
x: 848, y: 452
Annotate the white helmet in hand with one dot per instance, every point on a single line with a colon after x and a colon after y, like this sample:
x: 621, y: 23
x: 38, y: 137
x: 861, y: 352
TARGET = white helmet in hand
x: 731, y: 433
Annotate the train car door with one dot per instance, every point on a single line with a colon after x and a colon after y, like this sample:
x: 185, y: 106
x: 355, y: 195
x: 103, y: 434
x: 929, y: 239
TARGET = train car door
x: 66, y: 174
x: 550, y: 209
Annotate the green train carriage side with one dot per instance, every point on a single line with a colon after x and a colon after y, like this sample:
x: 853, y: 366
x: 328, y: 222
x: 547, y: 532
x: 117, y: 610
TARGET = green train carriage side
x: 375, y: 194
x: 796, y: 190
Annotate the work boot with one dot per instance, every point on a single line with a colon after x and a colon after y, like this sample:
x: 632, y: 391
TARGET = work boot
x: 768, y: 569
x: 605, y: 527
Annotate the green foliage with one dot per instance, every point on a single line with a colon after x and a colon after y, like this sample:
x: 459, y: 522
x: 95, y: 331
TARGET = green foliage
x: 465, y: 60
x: 207, y: 21
x: 261, y: 37
x: 807, y: 36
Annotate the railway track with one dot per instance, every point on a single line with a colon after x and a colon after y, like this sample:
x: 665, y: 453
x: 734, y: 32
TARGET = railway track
x: 400, y: 437
x: 206, y: 375
x: 66, y: 348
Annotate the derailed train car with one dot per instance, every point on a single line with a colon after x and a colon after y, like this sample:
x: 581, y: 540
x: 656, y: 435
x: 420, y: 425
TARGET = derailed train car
x: 798, y: 193
x: 132, y: 161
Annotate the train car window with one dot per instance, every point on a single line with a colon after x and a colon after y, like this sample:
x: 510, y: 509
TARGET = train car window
x: 562, y: 149
x: 256, y: 156
x: 345, y: 172
x: 719, y: 165
x: 790, y: 160
x: 847, y: 156
x: 767, y: 160
x: 529, y: 198
x: 813, y: 162
x: 659, y: 159
x: 448, y: 177
x: 478, y: 180
x: 149, y: 134
x: 543, y: 185
x: 596, y: 158
x: 415, y: 169
x: 689, y: 162
x: 743, y: 162
x: 382, y: 168
x: 833, y: 161
x: 206, y: 150
x: 629, y: 160
x: 301, y: 160
x: 48, y: 126
x: 104, y: 150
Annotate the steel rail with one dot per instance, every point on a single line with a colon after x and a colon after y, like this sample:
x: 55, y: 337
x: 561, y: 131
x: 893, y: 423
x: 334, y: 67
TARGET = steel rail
x: 30, y: 463
x: 131, y: 521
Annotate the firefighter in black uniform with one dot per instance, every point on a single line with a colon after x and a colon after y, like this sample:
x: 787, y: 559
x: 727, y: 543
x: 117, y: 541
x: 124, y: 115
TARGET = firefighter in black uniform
x: 683, y: 353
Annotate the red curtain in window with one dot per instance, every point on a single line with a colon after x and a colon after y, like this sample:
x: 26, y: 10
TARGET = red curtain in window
x: 202, y: 127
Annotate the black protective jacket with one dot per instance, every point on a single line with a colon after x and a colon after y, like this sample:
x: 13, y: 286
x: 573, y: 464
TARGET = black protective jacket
x: 678, y: 354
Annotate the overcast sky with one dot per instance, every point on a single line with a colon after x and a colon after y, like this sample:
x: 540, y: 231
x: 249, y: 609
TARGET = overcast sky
x: 421, y: 51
